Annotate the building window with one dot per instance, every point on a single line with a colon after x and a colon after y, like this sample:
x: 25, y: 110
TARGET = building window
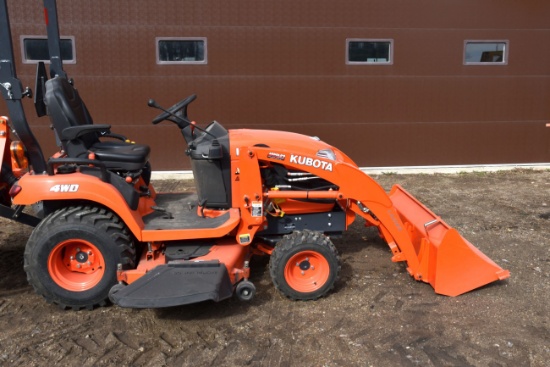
x: 181, y: 50
x: 35, y: 49
x: 485, y: 52
x: 369, y: 51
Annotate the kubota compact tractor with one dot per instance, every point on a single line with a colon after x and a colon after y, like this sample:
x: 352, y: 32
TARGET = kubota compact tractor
x: 103, y: 232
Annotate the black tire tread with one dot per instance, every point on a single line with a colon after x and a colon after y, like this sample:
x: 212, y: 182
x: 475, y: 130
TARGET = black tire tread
x: 287, y: 243
x: 103, y: 220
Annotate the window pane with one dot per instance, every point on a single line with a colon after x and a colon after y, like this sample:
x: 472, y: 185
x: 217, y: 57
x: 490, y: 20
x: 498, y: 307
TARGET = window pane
x: 181, y: 50
x: 369, y: 51
x: 36, y: 49
x: 485, y: 52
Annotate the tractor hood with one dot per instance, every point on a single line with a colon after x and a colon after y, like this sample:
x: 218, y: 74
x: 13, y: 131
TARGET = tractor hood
x: 284, y: 141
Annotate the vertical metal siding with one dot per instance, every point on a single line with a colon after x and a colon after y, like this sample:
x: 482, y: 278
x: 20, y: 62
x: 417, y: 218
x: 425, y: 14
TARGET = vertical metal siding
x: 281, y: 65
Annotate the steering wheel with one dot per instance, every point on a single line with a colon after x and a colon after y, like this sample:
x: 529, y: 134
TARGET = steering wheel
x: 181, y: 105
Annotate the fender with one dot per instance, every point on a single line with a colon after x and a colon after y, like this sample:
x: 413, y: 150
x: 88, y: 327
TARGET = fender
x: 77, y: 186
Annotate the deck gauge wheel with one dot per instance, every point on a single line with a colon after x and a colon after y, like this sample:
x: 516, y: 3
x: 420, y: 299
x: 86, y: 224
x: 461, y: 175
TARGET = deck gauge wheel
x: 245, y: 290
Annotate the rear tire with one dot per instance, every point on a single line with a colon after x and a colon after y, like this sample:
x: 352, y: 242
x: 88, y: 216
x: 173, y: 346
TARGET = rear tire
x: 71, y: 257
x: 304, y: 265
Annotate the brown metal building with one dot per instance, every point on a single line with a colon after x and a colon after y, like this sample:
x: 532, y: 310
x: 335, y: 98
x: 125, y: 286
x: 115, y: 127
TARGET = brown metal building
x: 390, y: 82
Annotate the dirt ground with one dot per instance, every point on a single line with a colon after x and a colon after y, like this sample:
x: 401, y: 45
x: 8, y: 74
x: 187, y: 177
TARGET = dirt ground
x: 377, y: 315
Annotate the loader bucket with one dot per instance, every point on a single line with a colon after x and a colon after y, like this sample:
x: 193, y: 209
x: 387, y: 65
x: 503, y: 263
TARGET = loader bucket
x: 446, y: 260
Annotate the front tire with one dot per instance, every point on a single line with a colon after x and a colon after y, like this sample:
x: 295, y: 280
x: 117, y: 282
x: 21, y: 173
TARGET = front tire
x: 71, y: 257
x: 304, y: 265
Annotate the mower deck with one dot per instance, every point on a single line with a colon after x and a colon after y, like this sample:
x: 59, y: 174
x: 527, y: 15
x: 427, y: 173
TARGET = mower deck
x: 181, y: 273
x: 176, y: 283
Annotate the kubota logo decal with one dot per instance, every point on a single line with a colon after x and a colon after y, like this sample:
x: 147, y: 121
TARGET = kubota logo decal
x: 310, y: 162
x: 65, y: 188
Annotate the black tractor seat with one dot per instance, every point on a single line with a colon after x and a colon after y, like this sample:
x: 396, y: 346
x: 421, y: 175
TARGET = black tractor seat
x: 121, y: 156
x: 79, y: 136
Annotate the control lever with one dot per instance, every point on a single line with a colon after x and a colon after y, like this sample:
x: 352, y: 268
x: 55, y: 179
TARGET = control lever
x: 27, y: 92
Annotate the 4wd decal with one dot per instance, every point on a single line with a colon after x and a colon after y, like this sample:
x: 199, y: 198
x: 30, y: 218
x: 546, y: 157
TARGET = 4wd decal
x: 65, y: 188
x: 310, y: 162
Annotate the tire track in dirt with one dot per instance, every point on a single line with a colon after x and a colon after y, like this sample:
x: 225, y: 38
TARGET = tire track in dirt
x: 377, y: 314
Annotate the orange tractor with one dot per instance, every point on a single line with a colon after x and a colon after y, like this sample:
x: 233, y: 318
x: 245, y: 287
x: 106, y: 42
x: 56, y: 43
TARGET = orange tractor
x: 103, y: 232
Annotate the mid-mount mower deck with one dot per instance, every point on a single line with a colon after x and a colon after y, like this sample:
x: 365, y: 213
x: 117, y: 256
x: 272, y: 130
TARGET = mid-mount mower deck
x: 103, y: 232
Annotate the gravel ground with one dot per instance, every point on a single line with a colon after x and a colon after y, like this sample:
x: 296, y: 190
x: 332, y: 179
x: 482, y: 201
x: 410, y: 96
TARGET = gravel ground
x: 376, y: 316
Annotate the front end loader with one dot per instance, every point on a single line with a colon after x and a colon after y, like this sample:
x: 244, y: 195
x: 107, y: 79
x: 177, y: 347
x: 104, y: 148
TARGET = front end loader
x: 105, y: 233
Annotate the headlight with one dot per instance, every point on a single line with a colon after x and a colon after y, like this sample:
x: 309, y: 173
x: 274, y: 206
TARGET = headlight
x: 326, y: 154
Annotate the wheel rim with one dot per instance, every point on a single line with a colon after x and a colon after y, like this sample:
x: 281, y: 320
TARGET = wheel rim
x: 307, y: 271
x: 76, y: 265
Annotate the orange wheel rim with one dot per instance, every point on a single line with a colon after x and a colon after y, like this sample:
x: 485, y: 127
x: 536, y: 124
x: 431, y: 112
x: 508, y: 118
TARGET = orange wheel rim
x: 76, y: 265
x: 307, y: 271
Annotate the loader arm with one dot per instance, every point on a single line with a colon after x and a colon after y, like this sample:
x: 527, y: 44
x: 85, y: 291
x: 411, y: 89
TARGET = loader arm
x: 367, y: 199
x: 435, y: 253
